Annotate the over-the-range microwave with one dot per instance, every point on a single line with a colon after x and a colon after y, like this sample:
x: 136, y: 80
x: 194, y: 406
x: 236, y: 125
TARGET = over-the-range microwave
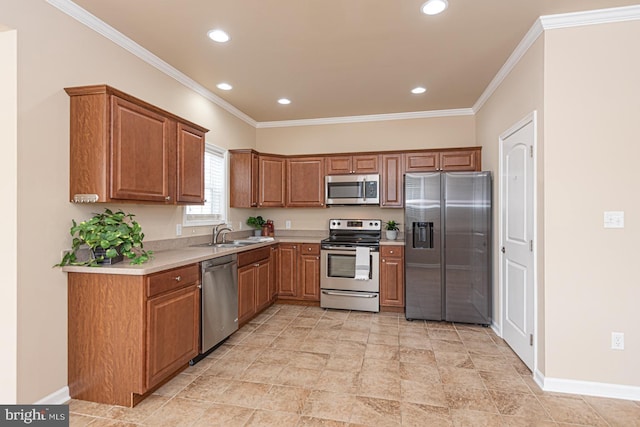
x: 352, y: 190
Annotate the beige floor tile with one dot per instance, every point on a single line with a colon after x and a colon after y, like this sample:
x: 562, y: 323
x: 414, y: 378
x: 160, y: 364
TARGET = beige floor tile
x: 382, y: 351
x: 467, y: 418
x: 287, y: 342
x: 417, y: 355
x: 439, y: 325
x: 326, y: 323
x: 463, y: 397
x: 423, y: 393
x: 178, y: 412
x: 375, y: 338
x: 454, y: 360
x: 324, y: 334
x: 384, y: 329
x: 205, y: 387
x: 380, y: 385
x: 450, y: 346
x: 504, y: 381
x: 618, y: 413
x: 219, y: 415
x: 525, y: 405
x: 320, y: 422
x: 349, y: 349
x: 510, y: 421
x: 420, y: 372
x: 83, y: 407
x: 418, y: 415
x: 299, y: 377
x: 336, y: 314
x: 140, y: 412
x: 77, y: 420
x: 376, y: 412
x: 329, y: 405
x: 304, y: 359
x: 262, y: 372
x: 245, y: 394
x: 176, y: 384
x: 258, y: 340
x: 228, y: 368
x: 443, y: 335
x: 338, y: 381
x: 374, y: 366
x: 261, y: 418
x: 359, y: 336
x: 104, y: 422
x: 460, y: 376
x: 317, y: 345
x: 415, y: 340
x: 274, y: 357
x: 338, y: 362
x: 571, y: 410
x: 285, y: 399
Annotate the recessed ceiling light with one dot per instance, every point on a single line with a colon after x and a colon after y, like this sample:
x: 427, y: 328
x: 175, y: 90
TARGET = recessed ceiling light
x: 218, y: 36
x: 434, y: 7
x: 418, y: 90
x: 224, y: 86
x: 284, y: 101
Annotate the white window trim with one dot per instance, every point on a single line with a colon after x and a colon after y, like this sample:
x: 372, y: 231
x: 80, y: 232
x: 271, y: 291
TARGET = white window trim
x: 205, y: 222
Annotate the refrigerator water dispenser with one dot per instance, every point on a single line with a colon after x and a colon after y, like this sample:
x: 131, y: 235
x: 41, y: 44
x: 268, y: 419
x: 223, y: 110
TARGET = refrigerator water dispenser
x: 423, y: 235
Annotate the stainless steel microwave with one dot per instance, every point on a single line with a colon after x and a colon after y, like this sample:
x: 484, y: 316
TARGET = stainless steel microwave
x: 352, y: 190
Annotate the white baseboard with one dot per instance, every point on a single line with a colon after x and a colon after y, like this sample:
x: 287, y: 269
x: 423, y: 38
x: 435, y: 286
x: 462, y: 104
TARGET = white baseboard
x: 56, y: 398
x: 496, y: 329
x: 587, y: 388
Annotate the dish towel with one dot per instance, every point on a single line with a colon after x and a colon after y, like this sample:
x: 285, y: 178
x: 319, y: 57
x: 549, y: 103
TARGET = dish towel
x: 362, y: 263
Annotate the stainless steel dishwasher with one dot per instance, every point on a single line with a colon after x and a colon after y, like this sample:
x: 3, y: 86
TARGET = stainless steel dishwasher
x: 219, y: 302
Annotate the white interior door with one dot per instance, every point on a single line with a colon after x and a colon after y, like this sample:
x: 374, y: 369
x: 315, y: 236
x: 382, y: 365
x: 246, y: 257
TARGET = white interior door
x: 517, y: 245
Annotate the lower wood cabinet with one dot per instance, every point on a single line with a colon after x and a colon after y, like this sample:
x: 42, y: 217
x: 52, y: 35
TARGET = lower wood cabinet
x: 254, y: 283
x: 391, y: 276
x: 299, y: 272
x: 128, y: 334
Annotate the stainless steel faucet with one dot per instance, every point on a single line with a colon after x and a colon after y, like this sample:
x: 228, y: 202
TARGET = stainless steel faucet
x: 217, y: 231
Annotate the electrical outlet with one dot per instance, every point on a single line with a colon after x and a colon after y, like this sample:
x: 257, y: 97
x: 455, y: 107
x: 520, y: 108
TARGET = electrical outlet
x: 178, y: 229
x: 287, y: 224
x: 617, y: 340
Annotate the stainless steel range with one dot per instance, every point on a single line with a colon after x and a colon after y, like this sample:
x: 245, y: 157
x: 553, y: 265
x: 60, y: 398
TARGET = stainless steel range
x: 350, y: 265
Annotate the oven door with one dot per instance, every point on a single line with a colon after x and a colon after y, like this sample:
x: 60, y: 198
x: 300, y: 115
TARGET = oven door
x: 338, y: 268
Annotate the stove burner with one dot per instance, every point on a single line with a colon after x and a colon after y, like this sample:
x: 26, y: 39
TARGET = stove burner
x: 354, y: 232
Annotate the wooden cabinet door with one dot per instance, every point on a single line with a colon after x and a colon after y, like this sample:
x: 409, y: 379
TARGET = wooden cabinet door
x: 460, y: 160
x: 365, y: 164
x: 305, y: 182
x: 273, y: 272
x: 243, y: 179
x: 247, y: 285
x: 272, y: 181
x: 190, y: 149
x: 392, y: 276
x: 392, y: 181
x: 142, y: 153
x: 421, y: 162
x: 263, y: 294
x: 173, y: 332
x: 309, y: 264
x: 338, y: 165
x: 288, y: 271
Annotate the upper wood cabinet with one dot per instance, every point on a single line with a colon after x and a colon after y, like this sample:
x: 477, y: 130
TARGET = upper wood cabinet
x: 243, y: 178
x: 305, y: 182
x: 271, y: 181
x: 123, y: 149
x: 455, y: 159
x: 391, y: 181
x: 344, y: 165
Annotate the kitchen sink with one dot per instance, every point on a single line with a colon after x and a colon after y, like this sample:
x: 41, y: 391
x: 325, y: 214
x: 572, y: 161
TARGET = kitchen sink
x: 226, y: 245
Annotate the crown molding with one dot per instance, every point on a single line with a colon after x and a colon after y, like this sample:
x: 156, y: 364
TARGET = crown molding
x: 102, y: 28
x: 591, y: 17
x: 551, y: 22
x: 367, y: 118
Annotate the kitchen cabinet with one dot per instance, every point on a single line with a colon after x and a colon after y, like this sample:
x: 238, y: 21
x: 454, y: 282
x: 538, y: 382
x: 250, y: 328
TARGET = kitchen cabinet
x: 129, y: 334
x: 254, y: 273
x: 455, y: 159
x: 271, y: 181
x: 243, y: 178
x: 391, y: 181
x: 305, y: 182
x: 273, y: 272
x: 391, y: 277
x: 344, y: 165
x: 299, y: 272
x: 123, y: 149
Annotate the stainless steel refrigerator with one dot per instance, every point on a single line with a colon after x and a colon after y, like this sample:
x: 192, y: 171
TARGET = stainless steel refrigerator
x: 448, y: 246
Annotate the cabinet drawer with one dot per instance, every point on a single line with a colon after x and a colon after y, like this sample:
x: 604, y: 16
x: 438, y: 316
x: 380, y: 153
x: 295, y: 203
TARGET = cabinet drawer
x: 391, y: 251
x: 250, y: 257
x: 172, y: 279
x: 309, y: 249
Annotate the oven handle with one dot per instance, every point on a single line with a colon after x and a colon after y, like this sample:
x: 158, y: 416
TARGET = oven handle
x: 345, y: 248
x: 350, y: 294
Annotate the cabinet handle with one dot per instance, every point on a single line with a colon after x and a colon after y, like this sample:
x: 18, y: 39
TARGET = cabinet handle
x: 178, y: 278
x: 384, y: 260
x: 309, y: 249
x: 256, y: 265
x: 390, y: 252
x: 167, y: 198
x: 199, y: 286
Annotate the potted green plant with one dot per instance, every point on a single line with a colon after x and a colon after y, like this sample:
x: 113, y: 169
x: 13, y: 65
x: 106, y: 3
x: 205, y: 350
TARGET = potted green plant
x: 110, y: 236
x: 256, y: 222
x: 391, y: 228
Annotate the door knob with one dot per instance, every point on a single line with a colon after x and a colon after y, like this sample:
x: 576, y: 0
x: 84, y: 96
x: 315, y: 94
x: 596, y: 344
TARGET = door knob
x: 502, y: 250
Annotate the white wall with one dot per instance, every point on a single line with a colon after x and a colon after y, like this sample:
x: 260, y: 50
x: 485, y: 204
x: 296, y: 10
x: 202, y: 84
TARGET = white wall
x: 54, y: 52
x: 8, y: 216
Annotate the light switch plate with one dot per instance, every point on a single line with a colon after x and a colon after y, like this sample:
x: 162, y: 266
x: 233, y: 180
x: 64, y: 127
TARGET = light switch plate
x: 614, y: 219
x: 178, y: 229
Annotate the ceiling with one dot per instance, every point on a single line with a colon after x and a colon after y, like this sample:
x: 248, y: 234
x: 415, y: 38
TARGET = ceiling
x: 335, y: 58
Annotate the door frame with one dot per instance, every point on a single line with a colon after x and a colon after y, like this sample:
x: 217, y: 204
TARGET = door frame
x: 531, y: 117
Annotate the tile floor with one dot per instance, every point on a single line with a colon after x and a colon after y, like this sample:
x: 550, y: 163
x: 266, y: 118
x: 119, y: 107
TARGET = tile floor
x: 305, y: 366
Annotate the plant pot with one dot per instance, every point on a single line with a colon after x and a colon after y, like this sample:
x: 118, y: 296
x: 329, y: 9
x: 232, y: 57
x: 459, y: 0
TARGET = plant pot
x: 99, y: 252
x: 391, y: 234
x: 257, y: 232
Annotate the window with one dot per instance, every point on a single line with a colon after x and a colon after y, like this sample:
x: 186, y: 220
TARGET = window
x: 214, y: 210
